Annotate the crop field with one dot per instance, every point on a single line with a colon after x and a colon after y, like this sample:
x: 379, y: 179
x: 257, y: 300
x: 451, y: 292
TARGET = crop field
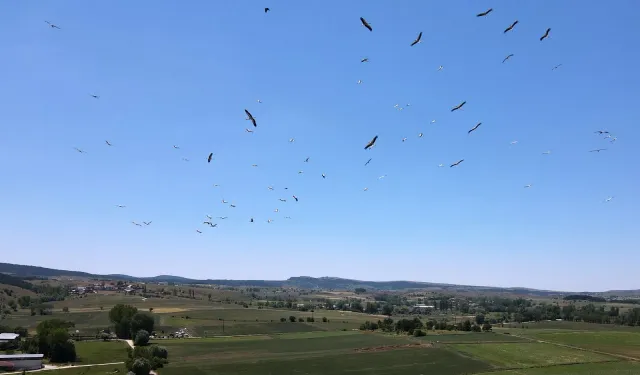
x: 616, y: 342
x: 91, y: 352
x: 608, y: 368
x: 311, y: 354
x: 569, y: 325
x: 518, y: 355
x: 244, y: 321
x: 473, y: 337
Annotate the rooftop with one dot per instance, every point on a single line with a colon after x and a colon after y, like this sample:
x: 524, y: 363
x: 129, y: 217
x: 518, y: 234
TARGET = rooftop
x: 20, y: 356
x: 8, y: 336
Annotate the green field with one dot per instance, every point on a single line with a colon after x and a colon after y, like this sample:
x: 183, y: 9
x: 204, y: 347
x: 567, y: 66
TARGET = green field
x: 519, y: 355
x: 325, y: 352
x: 91, y: 352
x: 609, y: 368
x: 471, y: 337
x: 616, y: 342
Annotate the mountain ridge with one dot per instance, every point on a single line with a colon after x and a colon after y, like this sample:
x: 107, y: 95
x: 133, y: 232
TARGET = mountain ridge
x: 306, y: 282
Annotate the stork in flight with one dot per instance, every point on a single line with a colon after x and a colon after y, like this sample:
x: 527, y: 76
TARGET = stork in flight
x: 52, y: 25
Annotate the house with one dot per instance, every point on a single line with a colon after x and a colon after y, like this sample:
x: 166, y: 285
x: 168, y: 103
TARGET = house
x: 421, y: 309
x: 9, y: 341
x: 18, y: 362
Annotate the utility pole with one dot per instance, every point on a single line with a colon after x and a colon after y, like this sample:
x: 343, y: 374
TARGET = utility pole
x: 223, y: 326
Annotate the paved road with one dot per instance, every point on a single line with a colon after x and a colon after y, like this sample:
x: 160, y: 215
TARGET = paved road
x: 51, y: 367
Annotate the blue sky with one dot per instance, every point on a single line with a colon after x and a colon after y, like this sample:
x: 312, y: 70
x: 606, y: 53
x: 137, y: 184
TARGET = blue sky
x: 176, y: 73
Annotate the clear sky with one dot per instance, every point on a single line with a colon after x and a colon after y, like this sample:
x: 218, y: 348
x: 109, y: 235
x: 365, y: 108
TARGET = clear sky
x: 181, y: 73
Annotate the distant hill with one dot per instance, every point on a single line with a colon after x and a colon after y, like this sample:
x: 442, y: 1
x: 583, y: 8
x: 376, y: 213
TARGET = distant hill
x: 305, y: 282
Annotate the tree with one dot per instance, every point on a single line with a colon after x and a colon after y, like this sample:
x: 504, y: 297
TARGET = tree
x: 387, y: 309
x: 52, y: 340
x: 324, y: 319
x: 121, y: 315
x: 141, y: 366
x: 65, y: 309
x: 141, y: 321
x: 466, y: 325
x: 142, y: 338
x: 479, y: 319
x: 292, y: 318
x: 283, y: 320
x: 486, y: 327
x: 300, y: 319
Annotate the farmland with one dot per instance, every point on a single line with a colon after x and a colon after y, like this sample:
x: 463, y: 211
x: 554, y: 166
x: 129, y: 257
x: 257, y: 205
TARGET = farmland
x: 287, y: 330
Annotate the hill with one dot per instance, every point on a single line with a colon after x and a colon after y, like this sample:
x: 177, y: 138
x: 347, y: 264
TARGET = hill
x: 14, y: 273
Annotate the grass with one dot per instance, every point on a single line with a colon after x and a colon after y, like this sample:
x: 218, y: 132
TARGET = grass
x: 569, y: 325
x: 519, y: 355
x: 393, y: 362
x: 616, y: 342
x: 91, y: 352
x: 609, y: 368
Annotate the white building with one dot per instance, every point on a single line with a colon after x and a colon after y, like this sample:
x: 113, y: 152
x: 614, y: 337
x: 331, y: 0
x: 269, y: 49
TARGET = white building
x: 18, y: 362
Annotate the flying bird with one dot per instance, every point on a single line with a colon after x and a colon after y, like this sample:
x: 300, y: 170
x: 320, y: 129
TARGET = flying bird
x: 250, y: 117
x: 270, y: 187
x: 556, y: 67
x: 366, y: 24
x: 136, y: 224
x: 79, y: 150
x: 300, y: 172
x: 546, y: 34
x: 404, y: 139
x: 365, y: 189
x: 266, y: 10
x: 420, y: 135
x: 381, y: 177
x: 507, y: 58
x: 598, y: 150
x: 208, y: 217
x: 276, y: 210
x: 254, y: 165
x: 120, y: 206
x: 511, y: 27
x: 367, y: 163
x: 441, y: 165
x: 306, y: 160
x: 366, y: 59
x: 225, y: 202
x: 484, y: 13
x: 269, y: 221
x: 222, y: 217
x: 417, y: 40
x: 232, y: 205
x: 527, y: 186
x: 474, y: 128
x: 296, y: 198
x: 291, y: 140
x: 601, y: 132
x: 513, y: 142
x: 248, y: 130
x: 434, y: 121
x: 198, y: 230
x: 456, y: 163
x: 185, y: 159
x: 176, y: 147
x: 609, y: 199
x: 359, y: 81
x: 209, y: 158
x: 440, y: 68
x: 52, y: 25
x: 95, y: 96
x: 371, y: 143
x: 282, y: 200
x: 107, y: 142
x: 324, y: 175
x: 458, y: 106
x: 251, y: 220
x: 546, y: 153
x: 147, y: 222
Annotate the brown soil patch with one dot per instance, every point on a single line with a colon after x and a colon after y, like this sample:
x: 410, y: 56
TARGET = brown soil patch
x: 375, y: 349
